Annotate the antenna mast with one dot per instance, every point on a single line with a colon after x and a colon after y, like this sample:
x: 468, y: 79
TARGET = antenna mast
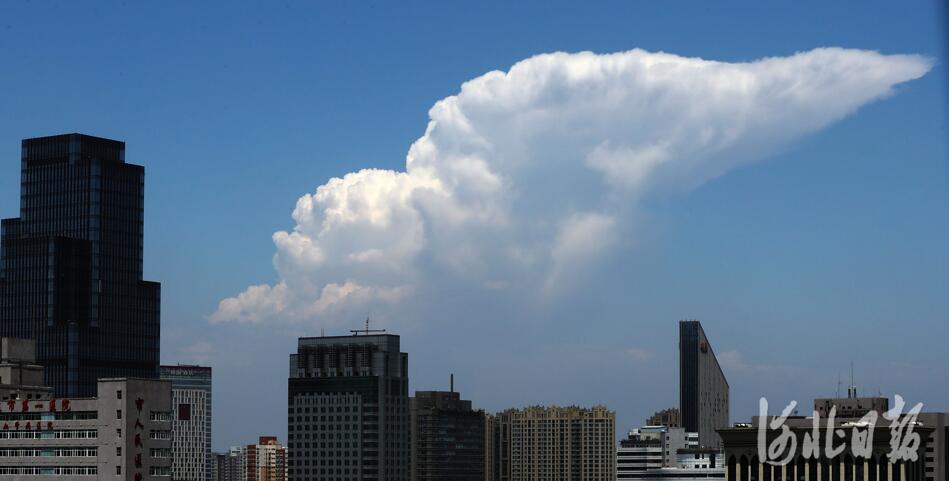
x: 366, y: 331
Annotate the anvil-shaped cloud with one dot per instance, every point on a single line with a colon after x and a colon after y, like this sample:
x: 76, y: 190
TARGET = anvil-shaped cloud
x: 526, y: 177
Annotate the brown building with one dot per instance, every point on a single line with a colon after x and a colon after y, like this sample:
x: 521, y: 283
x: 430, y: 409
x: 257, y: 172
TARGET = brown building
x: 554, y: 443
x: 667, y: 417
x: 265, y: 461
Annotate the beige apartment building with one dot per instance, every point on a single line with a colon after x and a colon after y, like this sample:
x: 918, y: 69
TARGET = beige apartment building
x: 554, y: 443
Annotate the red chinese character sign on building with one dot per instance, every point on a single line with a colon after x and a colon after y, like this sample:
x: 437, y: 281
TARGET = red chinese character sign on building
x: 139, y: 405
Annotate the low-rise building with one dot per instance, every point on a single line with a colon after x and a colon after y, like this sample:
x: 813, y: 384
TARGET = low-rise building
x: 123, y: 433
x: 869, y: 460
x: 852, y: 408
x: 653, y: 452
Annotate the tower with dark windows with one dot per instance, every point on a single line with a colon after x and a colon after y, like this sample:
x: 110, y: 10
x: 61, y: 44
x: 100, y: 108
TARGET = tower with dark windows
x: 348, y: 409
x: 703, y: 389
x: 71, y: 264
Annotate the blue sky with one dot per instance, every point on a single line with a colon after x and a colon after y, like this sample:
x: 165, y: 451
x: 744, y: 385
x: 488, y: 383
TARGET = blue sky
x: 832, y: 249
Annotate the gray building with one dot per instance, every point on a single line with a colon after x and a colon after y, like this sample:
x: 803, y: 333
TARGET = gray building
x: 703, y: 389
x: 852, y: 407
x: 649, y: 448
x: 191, y: 400
x: 348, y: 409
x: 742, y: 462
x: 123, y: 433
x: 218, y: 466
x: 20, y: 376
x: 447, y: 438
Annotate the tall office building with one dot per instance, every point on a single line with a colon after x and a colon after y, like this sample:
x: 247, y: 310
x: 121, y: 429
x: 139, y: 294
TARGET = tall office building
x: 562, y: 443
x: 71, y: 264
x: 348, y: 412
x: 703, y: 390
x: 447, y: 438
x: 191, y: 398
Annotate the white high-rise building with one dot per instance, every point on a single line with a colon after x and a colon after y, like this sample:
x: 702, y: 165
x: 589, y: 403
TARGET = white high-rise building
x: 191, y: 404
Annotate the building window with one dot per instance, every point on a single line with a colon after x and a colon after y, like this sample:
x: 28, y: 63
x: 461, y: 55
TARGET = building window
x: 118, y: 470
x: 118, y: 394
x: 118, y: 414
x: 184, y: 412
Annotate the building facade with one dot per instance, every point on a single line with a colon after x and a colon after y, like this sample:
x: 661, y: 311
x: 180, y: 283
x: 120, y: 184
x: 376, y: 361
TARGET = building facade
x: 937, y: 447
x: 71, y: 265
x: 235, y: 464
x: 218, y: 466
x: 348, y: 409
x: 703, y: 389
x: 650, y: 448
x: 742, y: 462
x: 265, y: 461
x: 20, y: 376
x: 851, y: 406
x: 490, y: 447
x: 124, y: 433
x: 191, y: 399
x: 562, y: 443
x: 447, y: 438
x: 667, y: 417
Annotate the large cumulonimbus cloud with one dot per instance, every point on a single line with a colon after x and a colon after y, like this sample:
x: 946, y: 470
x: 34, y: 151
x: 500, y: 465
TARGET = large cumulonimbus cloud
x: 528, y: 176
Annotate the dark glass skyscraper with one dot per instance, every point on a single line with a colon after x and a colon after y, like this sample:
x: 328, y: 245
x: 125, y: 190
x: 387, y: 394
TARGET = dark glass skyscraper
x: 703, y: 389
x: 71, y: 264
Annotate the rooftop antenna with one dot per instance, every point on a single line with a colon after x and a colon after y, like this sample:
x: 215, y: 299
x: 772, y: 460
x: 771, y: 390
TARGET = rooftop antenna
x: 853, y: 387
x: 838, y: 385
x: 366, y: 331
x: 451, y: 385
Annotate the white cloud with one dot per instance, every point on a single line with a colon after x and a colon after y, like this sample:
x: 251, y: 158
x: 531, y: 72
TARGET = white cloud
x: 526, y: 178
x: 200, y: 352
x: 733, y: 362
x: 638, y: 354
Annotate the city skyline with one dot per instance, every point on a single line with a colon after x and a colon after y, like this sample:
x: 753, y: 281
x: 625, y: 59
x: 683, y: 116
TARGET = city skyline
x: 832, y: 235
